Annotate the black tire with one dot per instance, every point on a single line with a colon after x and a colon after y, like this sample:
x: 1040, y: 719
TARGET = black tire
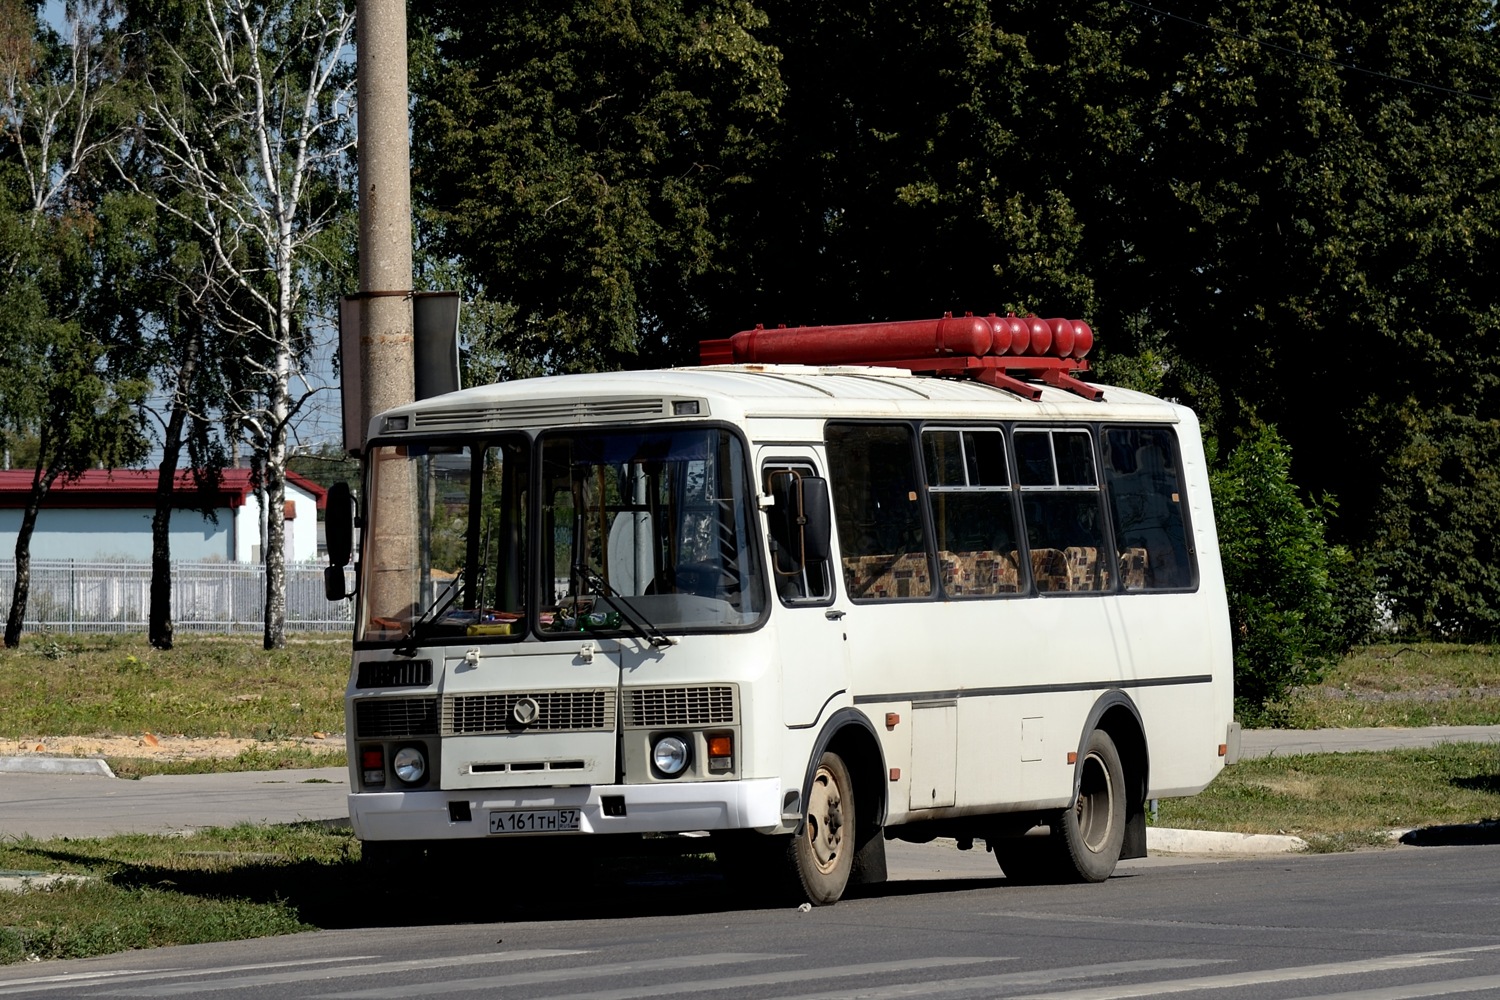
x: 822, y: 854
x: 1093, y: 831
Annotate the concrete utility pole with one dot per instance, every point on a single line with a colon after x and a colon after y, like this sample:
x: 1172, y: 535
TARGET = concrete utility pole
x: 386, y: 328
x: 385, y: 270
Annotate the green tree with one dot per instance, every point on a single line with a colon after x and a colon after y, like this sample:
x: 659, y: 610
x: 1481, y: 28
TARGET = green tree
x: 575, y: 157
x: 64, y: 381
x: 1276, y: 570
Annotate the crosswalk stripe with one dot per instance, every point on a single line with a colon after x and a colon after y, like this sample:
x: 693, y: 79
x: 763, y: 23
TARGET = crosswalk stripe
x: 1258, y: 977
x: 336, y: 972
x: 1035, y: 977
x: 1411, y: 991
x: 66, y: 981
x: 654, y: 989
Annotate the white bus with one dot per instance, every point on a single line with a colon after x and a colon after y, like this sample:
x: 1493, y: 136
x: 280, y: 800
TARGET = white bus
x: 805, y: 608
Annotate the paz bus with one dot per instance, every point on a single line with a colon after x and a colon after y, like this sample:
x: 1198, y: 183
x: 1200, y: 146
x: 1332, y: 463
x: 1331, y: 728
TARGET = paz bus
x: 835, y: 586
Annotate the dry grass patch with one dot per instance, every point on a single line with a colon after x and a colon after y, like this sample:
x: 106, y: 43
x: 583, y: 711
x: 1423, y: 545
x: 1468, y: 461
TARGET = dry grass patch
x: 1428, y: 684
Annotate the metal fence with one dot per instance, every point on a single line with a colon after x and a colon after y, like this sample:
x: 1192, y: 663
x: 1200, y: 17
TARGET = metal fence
x: 72, y: 596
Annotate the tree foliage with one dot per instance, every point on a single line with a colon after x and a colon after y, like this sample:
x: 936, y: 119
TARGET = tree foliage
x: 1276, y: 568
x: 1278, y: 212
x: 64, y: 382
x: 576, y: 157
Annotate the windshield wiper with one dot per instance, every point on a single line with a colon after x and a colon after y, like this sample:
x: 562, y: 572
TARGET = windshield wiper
x: 408, y: 644
x: 639, y: 623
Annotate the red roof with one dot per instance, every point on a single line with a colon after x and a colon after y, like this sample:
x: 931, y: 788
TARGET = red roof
x: 103, y: 488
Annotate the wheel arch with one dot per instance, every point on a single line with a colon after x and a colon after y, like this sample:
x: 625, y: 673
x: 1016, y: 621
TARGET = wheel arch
x: 851, y: 735
x: 1116, y: 714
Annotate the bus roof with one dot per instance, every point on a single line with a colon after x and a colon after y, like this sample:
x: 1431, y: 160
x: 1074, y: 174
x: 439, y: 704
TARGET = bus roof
x: 749, y: 392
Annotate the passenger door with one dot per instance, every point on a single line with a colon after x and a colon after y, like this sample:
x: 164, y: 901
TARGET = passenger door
x: 809, y: 628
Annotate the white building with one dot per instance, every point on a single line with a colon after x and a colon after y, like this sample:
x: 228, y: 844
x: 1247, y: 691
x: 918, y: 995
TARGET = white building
x: 105, y: 516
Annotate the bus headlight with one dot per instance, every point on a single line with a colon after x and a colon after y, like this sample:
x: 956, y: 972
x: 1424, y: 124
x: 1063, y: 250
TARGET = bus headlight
x: 410, y: 765
x: 670, y: 755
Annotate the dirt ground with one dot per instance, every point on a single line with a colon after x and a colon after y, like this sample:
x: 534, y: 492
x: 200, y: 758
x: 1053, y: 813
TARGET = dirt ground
x: 162, y: 747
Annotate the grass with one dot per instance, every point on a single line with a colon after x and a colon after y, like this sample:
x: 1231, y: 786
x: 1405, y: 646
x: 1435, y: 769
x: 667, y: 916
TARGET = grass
x: 1349, y: 800
x: 1428, y: 684
x: 144, y: 892
x: 206, y: 685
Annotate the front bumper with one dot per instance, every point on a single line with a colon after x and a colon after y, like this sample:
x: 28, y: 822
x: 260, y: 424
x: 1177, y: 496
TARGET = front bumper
x: 674, y: 807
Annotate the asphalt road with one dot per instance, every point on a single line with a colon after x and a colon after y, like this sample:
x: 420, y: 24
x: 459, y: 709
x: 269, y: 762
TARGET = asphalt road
x: 57, y: 803
x: 1377, y: 925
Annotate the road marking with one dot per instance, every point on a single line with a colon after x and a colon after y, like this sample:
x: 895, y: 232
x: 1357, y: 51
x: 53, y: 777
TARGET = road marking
x: 1405, y: 933
x: 308, y: 975
x: 1262, y: 976
x: 1414, y: 990
x: 67, y: 980
x: 656, y: 989
x: 1036, y: 977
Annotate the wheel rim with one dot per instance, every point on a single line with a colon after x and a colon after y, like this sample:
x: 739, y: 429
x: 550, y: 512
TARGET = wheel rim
x: 1095, y: 808
x: 825, y: 821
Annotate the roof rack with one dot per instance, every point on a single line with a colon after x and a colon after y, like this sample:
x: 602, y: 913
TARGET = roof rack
x: 999, y: 351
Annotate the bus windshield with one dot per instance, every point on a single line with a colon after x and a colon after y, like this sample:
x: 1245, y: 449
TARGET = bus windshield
x: 446, y: 527
x: 644, y: 530
x: 639, y: 533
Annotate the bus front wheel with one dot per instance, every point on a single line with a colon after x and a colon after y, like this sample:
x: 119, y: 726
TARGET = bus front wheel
x: 822, y: 854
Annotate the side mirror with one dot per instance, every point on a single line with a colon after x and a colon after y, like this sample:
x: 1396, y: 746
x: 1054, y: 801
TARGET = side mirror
x: 801, y: 522
x: 818, y: 524
x: 338, y: 524
x: 338, y: 528
x: 333, y: 583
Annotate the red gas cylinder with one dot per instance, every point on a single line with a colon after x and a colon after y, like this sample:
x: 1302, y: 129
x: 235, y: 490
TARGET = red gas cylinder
x: 999, y: 333
x: 855, y: 343
x: 1083, y: 338
x: 1062, y: 337
x: 1041, y: 336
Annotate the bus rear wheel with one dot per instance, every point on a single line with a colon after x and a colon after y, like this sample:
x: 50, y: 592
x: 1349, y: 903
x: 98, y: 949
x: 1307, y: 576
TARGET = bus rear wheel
x: 822, y: 854
x: 1084, y: 841
x: 1093, y: 831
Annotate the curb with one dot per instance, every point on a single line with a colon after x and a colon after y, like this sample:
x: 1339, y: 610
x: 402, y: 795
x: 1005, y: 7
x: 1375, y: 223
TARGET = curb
x: 92, y: 766
x: 1163, y: 840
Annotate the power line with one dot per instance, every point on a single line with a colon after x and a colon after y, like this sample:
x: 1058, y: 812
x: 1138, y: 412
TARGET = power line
x: 1352, y: 67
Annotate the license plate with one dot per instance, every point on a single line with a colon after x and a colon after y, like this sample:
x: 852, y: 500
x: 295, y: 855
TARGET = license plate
x: 534, y: 821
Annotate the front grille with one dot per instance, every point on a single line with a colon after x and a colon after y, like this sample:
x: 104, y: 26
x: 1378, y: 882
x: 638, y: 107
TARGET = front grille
x: 395, y: 718
x: 653, y: 708
x: 557, y: 712
x: 397, y: 673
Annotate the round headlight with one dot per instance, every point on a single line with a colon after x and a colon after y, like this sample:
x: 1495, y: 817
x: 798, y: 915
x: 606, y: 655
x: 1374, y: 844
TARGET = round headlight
x: 670, y: 755
x: 409, y: 764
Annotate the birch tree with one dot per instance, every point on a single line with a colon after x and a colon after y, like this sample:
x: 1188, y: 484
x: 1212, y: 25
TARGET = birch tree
x: 247, y: 115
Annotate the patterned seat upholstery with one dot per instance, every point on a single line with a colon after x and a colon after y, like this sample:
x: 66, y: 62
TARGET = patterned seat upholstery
x: 974, y: 574
x: 1049, y: 569
x: 1085, y: 569
x: 1135, y: 569
x: 887, y: 577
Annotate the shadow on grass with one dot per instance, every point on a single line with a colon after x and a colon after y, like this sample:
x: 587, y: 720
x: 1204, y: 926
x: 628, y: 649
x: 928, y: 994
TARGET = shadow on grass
x: 1457, y: 835
x: 1480, y: 783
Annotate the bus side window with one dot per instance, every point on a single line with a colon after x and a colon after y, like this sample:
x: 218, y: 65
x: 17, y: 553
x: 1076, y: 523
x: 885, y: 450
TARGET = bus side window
x: 882, y: 543
x: 1145, y: 494
x: 973, y: 514
x: 1061, y: 504
x: 800, y: 570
